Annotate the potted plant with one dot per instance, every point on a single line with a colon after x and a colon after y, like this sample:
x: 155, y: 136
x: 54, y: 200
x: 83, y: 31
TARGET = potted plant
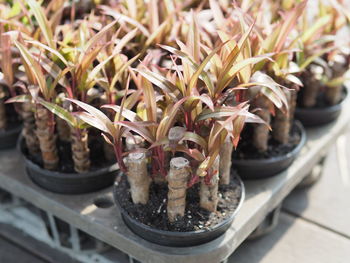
x: 323, y: 64
x: 64, y: 164
x: 267, y: 150
x: 168, y: 144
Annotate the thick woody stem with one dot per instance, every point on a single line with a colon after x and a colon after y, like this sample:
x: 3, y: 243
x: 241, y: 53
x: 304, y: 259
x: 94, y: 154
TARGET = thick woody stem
x: 80, y: 150
x: 29, y: 129
x: 339, y: 67
x: 292, y: 105
x: 47, y: 139
x: 208, y: 192
x: 63, y: 130
x: 333, y: 94
x: 225, y: 161
x: 261, y: 131
x: 177, y: 184
x: 138, y: 177
x: 312, y: 85
x: 281, y: 123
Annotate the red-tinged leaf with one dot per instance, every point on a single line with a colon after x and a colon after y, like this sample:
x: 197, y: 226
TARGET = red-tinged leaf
x: 34, y: 68
x: 232, y: 57
x: 139, y: 128
x: 193, y: 137
x: 156, y: 34
x: 292, y: 78
x: 315, y: 28
x: 217, y: 13
x: 163, y: 141
x: 150, y: 100
x: 288, y: 25
x: 124, y: 41
x: 200, y: 72
x: 127, y: 114
x: 206, y: 100
x: 158, y: 80
x: 168, y: 121
x: 60, y: 112
x: 193, y: 153
x: 237, y: 68
x: 97, y: 38
x: 43, y: 23
x: 193, y: 40
x: 93, y: 121
x: 87, y: 61
x: 122, y: 18
x: 104, y: 122
x: 270, y: 89
x: 49, y: 49
x: 55, y: 71
x: 20, y: 99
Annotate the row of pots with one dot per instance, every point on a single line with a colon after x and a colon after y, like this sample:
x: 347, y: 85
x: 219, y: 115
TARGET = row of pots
x: 72, y: 183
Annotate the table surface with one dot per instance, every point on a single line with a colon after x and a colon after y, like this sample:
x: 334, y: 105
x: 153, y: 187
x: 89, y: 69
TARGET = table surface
x: 106, y: 224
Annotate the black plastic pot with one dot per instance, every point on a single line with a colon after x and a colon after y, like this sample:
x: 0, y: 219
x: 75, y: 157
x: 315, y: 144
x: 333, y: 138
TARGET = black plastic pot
x: 264, y: 168
x: 69, y: 183
x: 311, y: 117
x: 178, y: 239
x: 8, y: 138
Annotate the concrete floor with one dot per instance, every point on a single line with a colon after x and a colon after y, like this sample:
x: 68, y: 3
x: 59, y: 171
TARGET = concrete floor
x: 315, y: 222
x: 314, y: 226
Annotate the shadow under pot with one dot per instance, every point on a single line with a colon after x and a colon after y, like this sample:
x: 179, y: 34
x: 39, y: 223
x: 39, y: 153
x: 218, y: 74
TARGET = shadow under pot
x: 151, y: 223
x: 264, y: 166
x: 316, y: 116
x: 9, y: 137
x: 68, y: 183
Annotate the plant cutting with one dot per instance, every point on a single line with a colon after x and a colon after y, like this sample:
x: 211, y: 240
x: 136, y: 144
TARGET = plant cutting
x: 168, y: 144
x: 323, y: 64
x: 73, y: 78
x: 267, y: 149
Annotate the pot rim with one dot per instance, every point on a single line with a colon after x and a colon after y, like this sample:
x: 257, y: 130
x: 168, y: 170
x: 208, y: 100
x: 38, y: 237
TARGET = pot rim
x: 330, y: 108
x: 290, y: 154
x: 184, y: 234
x: 56, y: 174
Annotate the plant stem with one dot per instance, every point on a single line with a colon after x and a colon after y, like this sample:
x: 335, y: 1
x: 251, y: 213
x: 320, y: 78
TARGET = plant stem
x: 312, y: 86
x: 47, y: 139
x: 225, y: 161
x: 138, y: 177
x: 281, y: 123
x: 261, y: 131
x: 339, y: 67
x: 208, y: 192
x: 29, y: 128
x: 177, y: 184
x: 80, y: 150
x: 63, y: 130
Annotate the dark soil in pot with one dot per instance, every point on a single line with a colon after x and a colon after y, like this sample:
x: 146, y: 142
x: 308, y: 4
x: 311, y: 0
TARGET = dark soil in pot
x: 9, y: 136
x: 252, y: 164
x: 198, y: 225
x: 66, y: 180
x: 322, y: 113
